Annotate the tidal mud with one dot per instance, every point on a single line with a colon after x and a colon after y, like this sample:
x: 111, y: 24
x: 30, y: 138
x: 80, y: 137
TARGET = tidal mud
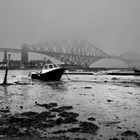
x: 32, y: 123
x: 83, y: 108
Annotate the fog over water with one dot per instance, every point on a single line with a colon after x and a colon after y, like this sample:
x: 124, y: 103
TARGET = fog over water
x: 111, y: 25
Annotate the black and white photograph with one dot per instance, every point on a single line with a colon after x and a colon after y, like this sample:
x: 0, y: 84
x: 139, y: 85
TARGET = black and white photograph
x: 69, y: 69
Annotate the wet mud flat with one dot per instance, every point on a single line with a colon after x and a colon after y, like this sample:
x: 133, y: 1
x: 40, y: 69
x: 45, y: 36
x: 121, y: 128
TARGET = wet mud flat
x: 33, y: 124
x: 80, y: 109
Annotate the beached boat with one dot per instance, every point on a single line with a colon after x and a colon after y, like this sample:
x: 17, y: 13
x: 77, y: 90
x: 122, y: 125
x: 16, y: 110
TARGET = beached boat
x: 49, y: 72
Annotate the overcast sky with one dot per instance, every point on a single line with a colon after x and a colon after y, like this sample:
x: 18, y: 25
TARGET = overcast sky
x: 111, y: 25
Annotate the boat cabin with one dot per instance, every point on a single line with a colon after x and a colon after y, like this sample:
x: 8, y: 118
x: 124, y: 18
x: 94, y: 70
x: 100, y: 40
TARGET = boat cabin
x: 49, y: 67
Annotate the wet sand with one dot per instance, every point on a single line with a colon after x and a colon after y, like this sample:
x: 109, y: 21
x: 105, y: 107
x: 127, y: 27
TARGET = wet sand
x: 83, y: 107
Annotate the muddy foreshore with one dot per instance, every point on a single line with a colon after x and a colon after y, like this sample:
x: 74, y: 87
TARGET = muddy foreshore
x: 34, y: 125
x: 100, y: 108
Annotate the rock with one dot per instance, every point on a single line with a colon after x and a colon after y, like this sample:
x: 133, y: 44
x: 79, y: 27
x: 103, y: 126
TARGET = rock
x: 48, y: 124
x: 70, y: 120
x: 88, y: 87
x: 59, y: 121
x: 130, y: 133
x: 47, y: 106
x: 53, y: 104
x: 68, y: 114
x: 74, y: 130
x: 21, y: 107
x: 61, y: 109
x: 59, y: 132
x: 46, y: 114
x: 91, y: 119
x: 30, y: 114
x: 9, y: 130
x: 109, y: 100
x: 88, y: 127
x: 6, y: 110
x: 19, y: 119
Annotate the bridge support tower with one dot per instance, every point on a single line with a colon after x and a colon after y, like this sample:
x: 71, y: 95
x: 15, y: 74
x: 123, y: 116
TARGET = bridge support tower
x: 24, y: 56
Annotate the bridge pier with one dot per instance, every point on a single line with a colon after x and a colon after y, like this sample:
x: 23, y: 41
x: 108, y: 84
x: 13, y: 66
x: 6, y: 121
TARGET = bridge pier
x: 24, y: 55
x: 5, y: 56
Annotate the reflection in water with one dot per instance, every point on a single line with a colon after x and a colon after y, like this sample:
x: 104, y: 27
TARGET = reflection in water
x: 55, y: 85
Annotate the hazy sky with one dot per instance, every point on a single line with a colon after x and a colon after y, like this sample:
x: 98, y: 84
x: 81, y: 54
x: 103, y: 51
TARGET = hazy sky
x: 111, y: 25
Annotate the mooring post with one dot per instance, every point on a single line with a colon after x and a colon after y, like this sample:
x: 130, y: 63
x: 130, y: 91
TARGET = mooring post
x: 6, y: 71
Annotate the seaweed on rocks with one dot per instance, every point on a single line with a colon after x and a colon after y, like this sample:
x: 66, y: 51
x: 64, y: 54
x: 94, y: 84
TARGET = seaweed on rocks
x: 6, y: 110
x: 84, y: 127
x: 34, y: 123
x: 61, y: 109
x: 66, y: 120
x: 70, y: 120
x: 30, y: 114
x: 91, y: 119
x: 68, y: 114
x: 130, y: 133
x: 19, y: 119
x: 46, y: 114
x: 46, y: 124
x: 88, y: 127
x: 47, y: 106
x: 59, y: 121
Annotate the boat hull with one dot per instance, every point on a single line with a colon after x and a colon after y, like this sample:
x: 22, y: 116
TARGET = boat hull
x: 54, y: 75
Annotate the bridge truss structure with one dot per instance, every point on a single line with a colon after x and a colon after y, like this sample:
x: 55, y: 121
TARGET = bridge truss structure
x: 74, y: 52
x: 77, y: 52
x: 131, y: 58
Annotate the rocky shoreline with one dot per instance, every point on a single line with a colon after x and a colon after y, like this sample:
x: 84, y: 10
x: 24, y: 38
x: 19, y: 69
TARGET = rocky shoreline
x: 34, y: 125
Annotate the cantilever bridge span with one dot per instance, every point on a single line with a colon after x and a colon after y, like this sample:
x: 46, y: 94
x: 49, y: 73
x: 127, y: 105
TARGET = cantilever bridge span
x: 74, y: 52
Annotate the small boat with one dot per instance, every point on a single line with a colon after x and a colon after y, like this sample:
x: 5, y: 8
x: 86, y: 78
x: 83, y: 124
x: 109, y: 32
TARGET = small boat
x: 49, y: 72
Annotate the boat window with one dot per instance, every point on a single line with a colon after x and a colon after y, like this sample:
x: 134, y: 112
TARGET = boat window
x: 55, y: 66
x: 46, y: 67
x: 50, y: 66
